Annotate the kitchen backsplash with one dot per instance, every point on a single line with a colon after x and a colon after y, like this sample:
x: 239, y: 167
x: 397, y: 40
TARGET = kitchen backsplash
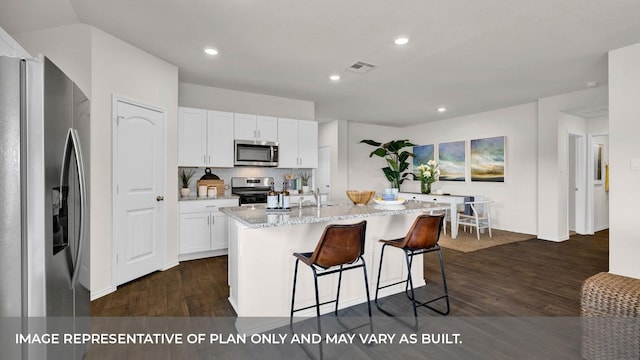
x: 227, y: 173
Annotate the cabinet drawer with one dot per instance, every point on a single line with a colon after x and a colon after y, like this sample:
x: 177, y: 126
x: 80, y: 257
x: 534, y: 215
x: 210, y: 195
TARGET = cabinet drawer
x: 205, y: 205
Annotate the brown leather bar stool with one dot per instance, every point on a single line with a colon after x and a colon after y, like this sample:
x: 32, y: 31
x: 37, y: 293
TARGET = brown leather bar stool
x: 340, y: 246
x: 422, y: 238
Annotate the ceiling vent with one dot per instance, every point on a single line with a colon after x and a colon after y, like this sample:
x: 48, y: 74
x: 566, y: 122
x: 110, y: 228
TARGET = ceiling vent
x: 361, y: 67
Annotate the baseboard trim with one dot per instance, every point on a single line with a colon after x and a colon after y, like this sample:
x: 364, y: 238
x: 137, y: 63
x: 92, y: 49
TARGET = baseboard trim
x: 170, y: 265
x: 202, y: 255
x: 103, y: 292
x: 600, y: 228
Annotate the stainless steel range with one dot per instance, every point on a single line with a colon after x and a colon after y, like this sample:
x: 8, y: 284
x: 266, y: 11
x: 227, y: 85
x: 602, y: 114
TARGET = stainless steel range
x: 251, y: 190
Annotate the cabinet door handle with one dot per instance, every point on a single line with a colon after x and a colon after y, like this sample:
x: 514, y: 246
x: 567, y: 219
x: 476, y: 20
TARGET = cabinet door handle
x: 204, y: 159
x: 255, y: 133
x: 258, y: 134
x: 209, y: 159
x: 300, y: 161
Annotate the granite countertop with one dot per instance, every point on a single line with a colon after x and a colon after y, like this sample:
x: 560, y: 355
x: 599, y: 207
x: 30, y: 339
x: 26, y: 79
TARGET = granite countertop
x: 195, y: 197
x: 258, y: 217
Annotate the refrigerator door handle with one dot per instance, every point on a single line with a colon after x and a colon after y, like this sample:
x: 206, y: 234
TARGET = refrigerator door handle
x: 72, y: 144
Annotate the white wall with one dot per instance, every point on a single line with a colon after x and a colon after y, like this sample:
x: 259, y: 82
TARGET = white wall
x: 123, y: 70
x: 624, y: 127
x: 10, y: 47
x: 365, y: 173
x: 550, y: 153
x: 598, y: 125
x: 514, y: 207
x: 212, y: 98
x: 103, y: 65
x: 69, y: 47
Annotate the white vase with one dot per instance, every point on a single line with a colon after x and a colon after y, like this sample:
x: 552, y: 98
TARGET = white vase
x: 184, y: 192
x: 305, y: 189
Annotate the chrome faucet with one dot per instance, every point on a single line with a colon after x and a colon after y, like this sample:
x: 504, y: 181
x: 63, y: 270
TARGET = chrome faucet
x: 318, y: 197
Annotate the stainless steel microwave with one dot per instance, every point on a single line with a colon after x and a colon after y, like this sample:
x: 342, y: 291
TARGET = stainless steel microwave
x: 256, y: 153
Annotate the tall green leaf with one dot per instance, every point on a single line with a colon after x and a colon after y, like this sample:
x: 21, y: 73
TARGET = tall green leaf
x: 380, y: 152
x: 389, y: 174
x: 371, y: 142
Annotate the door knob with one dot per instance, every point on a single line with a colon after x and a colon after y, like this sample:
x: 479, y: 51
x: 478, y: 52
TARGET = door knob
x: 159, y: 198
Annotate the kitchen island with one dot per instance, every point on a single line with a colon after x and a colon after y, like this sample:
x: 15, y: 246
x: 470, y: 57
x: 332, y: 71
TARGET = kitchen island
x: 261, y: 264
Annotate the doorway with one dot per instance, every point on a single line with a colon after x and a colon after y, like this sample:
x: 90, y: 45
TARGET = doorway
x: 323, y: 173
x: 576, y: 185
x: 599, y: 195
x: 139, y: 211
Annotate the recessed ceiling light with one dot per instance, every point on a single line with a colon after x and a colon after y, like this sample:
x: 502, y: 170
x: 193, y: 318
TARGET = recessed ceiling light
x: 334, y: 77
x: 442, y: 109
x: 211, y: 51
x: 401, y: 40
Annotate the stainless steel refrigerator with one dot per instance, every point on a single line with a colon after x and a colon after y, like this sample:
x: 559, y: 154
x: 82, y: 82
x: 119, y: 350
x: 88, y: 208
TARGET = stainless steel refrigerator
x: 44, y: 201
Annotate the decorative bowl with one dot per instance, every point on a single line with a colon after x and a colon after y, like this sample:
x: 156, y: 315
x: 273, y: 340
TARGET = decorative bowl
x: 388, y: 197
x: 360, y: 197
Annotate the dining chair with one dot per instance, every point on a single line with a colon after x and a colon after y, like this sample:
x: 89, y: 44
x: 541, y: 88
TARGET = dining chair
x: 480, y: 217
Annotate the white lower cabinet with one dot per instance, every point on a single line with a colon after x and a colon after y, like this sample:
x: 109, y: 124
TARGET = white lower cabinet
x: 203, y: 228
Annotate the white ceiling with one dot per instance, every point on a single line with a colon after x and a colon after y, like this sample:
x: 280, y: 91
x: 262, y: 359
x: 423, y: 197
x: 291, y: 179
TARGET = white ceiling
x: 468, y: 56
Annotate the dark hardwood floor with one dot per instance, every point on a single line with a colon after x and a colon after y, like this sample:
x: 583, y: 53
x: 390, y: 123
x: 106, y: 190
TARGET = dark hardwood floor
x: 528, y: 278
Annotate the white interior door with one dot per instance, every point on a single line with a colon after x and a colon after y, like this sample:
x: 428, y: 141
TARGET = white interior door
x: 576, y: 205
x: 573, y: 185
x: 139, y: 208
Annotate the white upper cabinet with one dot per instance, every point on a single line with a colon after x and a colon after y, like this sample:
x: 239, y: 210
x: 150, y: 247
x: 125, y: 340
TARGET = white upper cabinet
x: 298, y: 143
x: 255, y: 127
x: 220, y: 138
x: 192, y: 137
x: 267, y: 127
x: 205, y: 138
x: 288, y: 143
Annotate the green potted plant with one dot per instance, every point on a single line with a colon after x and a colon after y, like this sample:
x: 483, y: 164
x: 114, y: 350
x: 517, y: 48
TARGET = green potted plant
x: 304, y: 179
x: 396, y: 158
x: 185, y: 177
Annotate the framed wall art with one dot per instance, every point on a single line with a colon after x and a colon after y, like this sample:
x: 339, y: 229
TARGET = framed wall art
x: 451, y: 157
x: 487, y: 159
x: 422, y: 154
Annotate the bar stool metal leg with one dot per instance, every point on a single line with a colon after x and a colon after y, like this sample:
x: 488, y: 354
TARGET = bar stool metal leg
x: 410, y: 282
x: 378, y: 281
x: 366, y: 287
x: 338, y: 292
x: 293, y: 292
x: 409, y: 288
